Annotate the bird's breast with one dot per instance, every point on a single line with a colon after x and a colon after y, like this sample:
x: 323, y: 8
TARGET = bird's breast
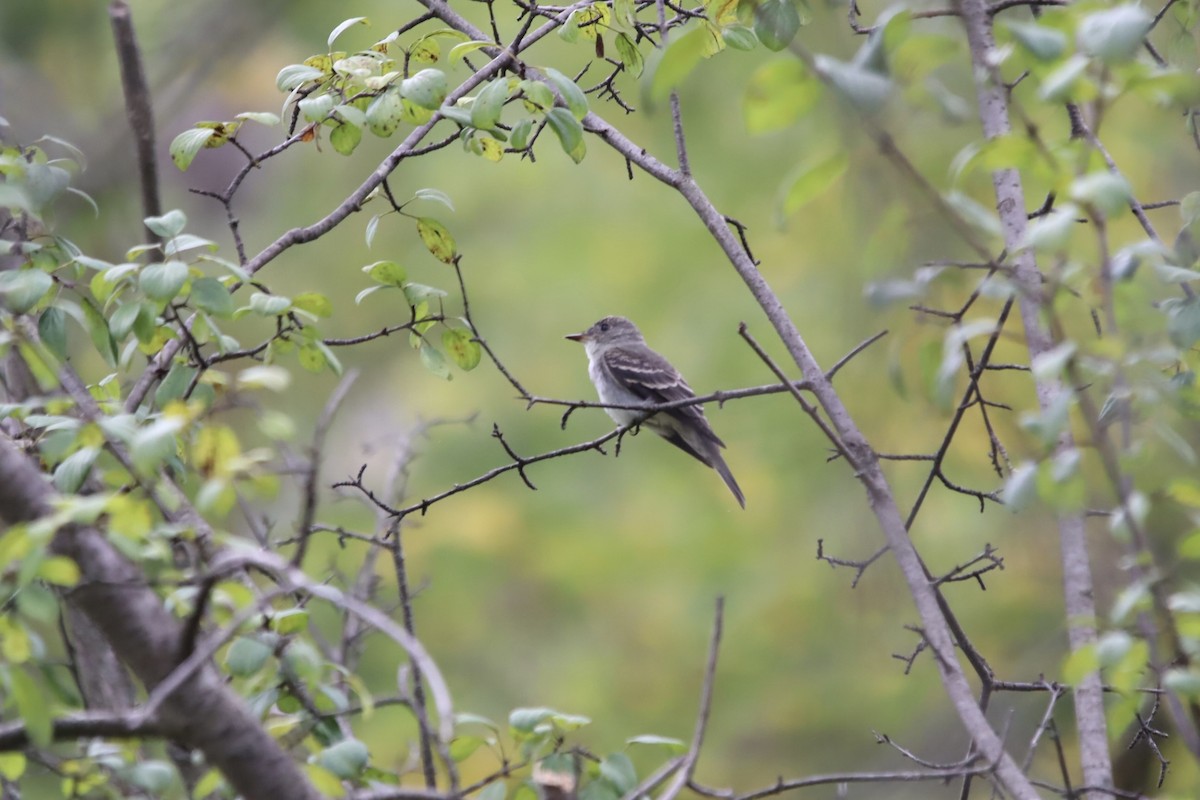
x: 612, y: 392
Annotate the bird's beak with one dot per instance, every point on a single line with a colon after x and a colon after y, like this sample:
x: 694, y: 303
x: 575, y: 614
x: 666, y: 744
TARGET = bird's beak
x: 576, y: 337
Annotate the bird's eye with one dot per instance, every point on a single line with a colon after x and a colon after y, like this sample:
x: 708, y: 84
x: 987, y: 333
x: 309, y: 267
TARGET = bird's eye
x: 603, y: 327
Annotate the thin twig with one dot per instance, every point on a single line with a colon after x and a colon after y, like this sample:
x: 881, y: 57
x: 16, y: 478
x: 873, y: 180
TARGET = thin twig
x: 315, y: 456
x: 684, y: 775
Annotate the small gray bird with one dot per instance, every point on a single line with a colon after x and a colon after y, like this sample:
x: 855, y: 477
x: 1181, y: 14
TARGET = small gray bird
x: 627, y: 372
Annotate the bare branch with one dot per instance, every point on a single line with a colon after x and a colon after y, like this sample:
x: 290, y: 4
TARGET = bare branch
x: 315, y: 456
x: 137, y: 105
x: 684, y: 774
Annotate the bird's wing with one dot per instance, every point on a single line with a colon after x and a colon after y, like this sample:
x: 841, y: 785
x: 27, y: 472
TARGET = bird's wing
x: 651, y: 377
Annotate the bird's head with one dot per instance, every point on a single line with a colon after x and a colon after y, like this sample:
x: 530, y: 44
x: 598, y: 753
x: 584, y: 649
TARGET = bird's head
x: 610, y: 330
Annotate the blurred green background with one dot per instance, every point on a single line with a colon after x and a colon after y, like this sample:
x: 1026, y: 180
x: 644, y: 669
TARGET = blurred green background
x: 594, y: 594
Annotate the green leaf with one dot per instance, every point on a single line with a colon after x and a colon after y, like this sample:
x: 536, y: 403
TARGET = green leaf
x: 458, y: 115
x: 209, y: 294
x: 346, y: 759
x: 246, y: 656
x: 496, y: 790
x: 1116, y: 34
x: 866, y: 90
x: 434, y: 361
x: 524, y: 720
x: 1060, y: 485
x: 264, y: 376
x: 462, y: 348
x: 779, y: 93
x: 618, y: 770
x: 261, y: 117
x: 1051, y: 232
x: 417, y: 293
x: 345, y: 138
x: 437, y: 239
x: 12, y: 766
x: 625, y: 14
x: 977, y: 216
x: 187, y: 241
x: 315, y: 108
x: 630, y: 56
x: 1112, y: 647
x: 1042, y: 42
x: 52, y: 329
x: 539, y: 94
x: 414, y: 114
x: 343, y: 26
x: 1065, y: 81
x: 599, y: 790
x: 776, y: 23
x: 737, y: 36
x: 1021, y: 487
x: 569, y: 30
x: 385, y: 112
x: 102, y: 338
x: 1080, y: 663
x: 676, y: 63
x: 1189, y: 208
x: 462, y: 747
x: 145, y: 324
x: 485, y: 111
x: 810, y: 181
x: 324, y: 781
x: 21, y: 289
x: 1108, y: 193
x: 172, y: 387
x: 153, y: 776
x: 1050, y: 364
x: 674, y: 746
x: 464, y: 49
x: 426, y: 89
x: 44, y: 183
x: 290, y: 620
x: 292, y: 77
x: 311, y: 357
x: 569, y: 133
x: 365, y: 293
x: 168, y: 225
x: 331, y: 360
x: 434, y: 195
x: 186, y: 145
x: 1184, y: 681
x: 154, y: 444
x: 519, y: 137
x: 32, y: 707
x: 316, y: 304
x: 70, y: 474
x: 58, y: 570
x: 1183, y: 322
x: 574, y: 97
x: 467, y: 718
x: 269, y: 305
x: 163, y: 281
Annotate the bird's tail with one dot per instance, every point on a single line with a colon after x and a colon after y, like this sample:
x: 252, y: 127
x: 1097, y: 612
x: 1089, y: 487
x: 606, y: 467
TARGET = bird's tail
x: 722, y: 469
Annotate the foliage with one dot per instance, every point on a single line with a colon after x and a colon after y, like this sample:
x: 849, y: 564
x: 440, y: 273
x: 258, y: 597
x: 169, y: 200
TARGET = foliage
x: 129, y: 373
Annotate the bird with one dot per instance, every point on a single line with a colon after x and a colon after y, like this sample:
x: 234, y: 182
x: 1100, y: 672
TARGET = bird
x: 626, y: 371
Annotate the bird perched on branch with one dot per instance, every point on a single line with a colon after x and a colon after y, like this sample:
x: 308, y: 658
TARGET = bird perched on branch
x: 627, y: 372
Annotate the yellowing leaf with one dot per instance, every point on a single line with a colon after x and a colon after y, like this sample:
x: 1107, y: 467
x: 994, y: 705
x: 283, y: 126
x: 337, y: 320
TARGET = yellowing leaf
x: 811, y: 180
x: 492, y: 150
x: 462, y: 348
x: 594, y: 20
x: 437, y: 239
x: 215, y: 447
